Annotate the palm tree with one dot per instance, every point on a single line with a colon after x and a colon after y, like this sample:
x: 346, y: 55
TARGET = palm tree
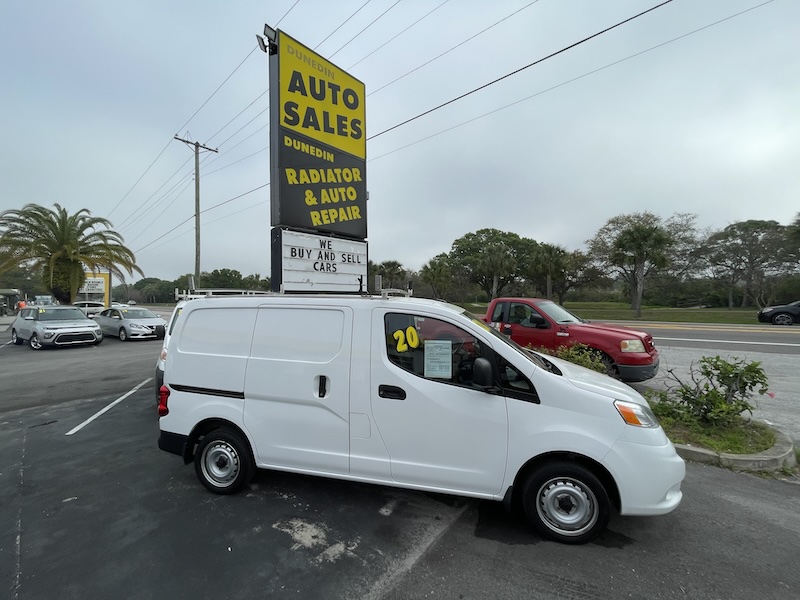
x: 551, y: 261
x: 61, y: 247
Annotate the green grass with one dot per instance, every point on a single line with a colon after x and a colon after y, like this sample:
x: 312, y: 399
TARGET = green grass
x: 740, y: 437
x: 619, y: 311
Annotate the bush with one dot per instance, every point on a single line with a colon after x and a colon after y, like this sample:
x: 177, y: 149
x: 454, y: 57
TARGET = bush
x: 580, y: 354
x: 719, y: 392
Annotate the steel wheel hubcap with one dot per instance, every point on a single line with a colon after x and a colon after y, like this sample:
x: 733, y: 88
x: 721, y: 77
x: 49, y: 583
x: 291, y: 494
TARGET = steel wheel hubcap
x: 566, y: 506
x: 220, y: 464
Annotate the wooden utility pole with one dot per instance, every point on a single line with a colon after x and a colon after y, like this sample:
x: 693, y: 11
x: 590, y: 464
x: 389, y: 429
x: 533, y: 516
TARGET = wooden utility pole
x: 197, y: 146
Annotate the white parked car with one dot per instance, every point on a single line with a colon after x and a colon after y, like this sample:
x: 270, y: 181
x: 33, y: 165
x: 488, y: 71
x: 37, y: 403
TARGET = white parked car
x: 131, y: 323
x: 411, y: 393
x: 90, y: 307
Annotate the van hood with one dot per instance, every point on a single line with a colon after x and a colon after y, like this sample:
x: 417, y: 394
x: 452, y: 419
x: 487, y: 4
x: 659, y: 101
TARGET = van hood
x: 599, y: 383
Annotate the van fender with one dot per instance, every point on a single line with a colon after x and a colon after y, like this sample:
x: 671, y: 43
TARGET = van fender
x: 558, y: 446
x: 225, y: 416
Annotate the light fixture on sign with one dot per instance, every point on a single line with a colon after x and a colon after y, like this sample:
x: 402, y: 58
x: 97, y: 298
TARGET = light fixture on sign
x: 267, y: 43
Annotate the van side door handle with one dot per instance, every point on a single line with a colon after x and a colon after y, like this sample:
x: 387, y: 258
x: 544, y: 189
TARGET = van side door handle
x: 392, y: 392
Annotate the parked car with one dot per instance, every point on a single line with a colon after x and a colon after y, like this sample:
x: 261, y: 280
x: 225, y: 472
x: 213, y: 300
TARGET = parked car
x: 131, y: 323
x: 54, y: 326
x: 411, y: 393
x: 785, y: 314
x: 44, y: 301
x: 90, y: 307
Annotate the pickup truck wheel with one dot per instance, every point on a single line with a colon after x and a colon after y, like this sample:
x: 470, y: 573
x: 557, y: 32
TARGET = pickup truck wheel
x: 566, y: 503
x: 608, y: 362
x: 223, y: 462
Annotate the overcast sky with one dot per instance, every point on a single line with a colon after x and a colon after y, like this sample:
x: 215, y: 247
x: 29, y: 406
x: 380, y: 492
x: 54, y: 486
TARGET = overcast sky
x: 671, y: 112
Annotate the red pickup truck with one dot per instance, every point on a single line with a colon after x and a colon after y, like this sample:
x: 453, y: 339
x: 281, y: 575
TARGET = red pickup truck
x: 537, y: 323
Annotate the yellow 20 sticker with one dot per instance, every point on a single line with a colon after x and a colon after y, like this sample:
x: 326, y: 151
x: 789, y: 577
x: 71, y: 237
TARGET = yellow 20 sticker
x: 406, y: 339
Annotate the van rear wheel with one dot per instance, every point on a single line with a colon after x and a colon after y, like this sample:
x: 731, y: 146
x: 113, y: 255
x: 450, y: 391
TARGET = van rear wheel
x: 566, y: 502
x: 223, y: 462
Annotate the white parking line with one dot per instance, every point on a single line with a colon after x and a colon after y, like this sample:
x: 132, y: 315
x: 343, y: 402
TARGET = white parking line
x: 107, y: 408
x: 727, y: 342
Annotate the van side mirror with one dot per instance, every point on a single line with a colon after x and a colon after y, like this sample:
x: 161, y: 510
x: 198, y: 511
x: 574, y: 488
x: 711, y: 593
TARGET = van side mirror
x: 482, y: 377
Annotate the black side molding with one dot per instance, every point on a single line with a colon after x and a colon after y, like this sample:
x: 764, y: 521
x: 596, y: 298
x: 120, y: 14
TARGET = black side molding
x: 207, y: 391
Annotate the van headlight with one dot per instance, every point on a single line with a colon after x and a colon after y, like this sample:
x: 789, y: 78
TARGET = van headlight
x: 636, y: 414
x: 631, y: 346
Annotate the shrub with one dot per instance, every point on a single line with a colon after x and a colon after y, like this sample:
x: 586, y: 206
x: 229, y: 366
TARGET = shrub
x: 580, y: 354
x: 718, y: 393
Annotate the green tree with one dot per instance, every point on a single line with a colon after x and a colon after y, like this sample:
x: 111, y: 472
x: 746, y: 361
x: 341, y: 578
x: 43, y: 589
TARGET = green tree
x: 393, y: 274
x: 632, y: 247
x: 551, y: 261
x: 492, y: 258
x: 577, y: 271
x: 757, y: 254
x: 794, y: 234
x: 62, y: 247
x: 223, y: 278
x: 438, y: 273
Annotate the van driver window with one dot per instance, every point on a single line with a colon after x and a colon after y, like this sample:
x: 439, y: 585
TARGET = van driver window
x: 431, y: 348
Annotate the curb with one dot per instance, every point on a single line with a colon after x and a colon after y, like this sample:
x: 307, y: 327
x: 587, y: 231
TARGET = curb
x: 780, y: 456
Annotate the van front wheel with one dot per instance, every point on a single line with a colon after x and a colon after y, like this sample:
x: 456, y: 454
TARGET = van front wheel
x: 566, y: 503
x: 223, y: 462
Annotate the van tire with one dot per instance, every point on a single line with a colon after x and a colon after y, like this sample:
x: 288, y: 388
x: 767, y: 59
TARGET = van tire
x: 565, y: 502
x: 223, y: 463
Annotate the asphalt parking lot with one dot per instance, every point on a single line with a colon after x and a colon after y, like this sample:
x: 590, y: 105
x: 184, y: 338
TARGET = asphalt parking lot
x: 102, y: 513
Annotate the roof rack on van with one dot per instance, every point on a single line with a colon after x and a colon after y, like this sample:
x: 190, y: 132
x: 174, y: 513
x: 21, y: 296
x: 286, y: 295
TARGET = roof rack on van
x: 385, y: 293
x: 209, y: 292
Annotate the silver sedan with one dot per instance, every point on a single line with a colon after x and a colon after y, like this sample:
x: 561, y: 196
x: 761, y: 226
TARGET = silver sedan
x: 131, y: 323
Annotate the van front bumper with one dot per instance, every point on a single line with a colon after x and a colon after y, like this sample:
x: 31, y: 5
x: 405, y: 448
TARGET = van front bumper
x: 648, y: 477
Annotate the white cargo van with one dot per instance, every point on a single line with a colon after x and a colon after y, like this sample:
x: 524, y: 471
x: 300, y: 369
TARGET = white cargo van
x: 411, y: 393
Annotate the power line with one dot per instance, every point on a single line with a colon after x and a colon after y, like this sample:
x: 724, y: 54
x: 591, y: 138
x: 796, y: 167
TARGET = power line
x: 201, y: 212
x: 435, y: 58
x: 401, y: 33
x: 507, y: 75
x: 342, y: 25
x: 365, y: 28
x: 287, y: 12
x: 568, y: 81
x: 238, y: 115
x: 184, y: 125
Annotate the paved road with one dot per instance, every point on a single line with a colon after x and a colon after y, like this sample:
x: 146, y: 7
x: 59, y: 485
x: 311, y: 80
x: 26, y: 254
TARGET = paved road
x: 102, y: 513
x: 776, y: 348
